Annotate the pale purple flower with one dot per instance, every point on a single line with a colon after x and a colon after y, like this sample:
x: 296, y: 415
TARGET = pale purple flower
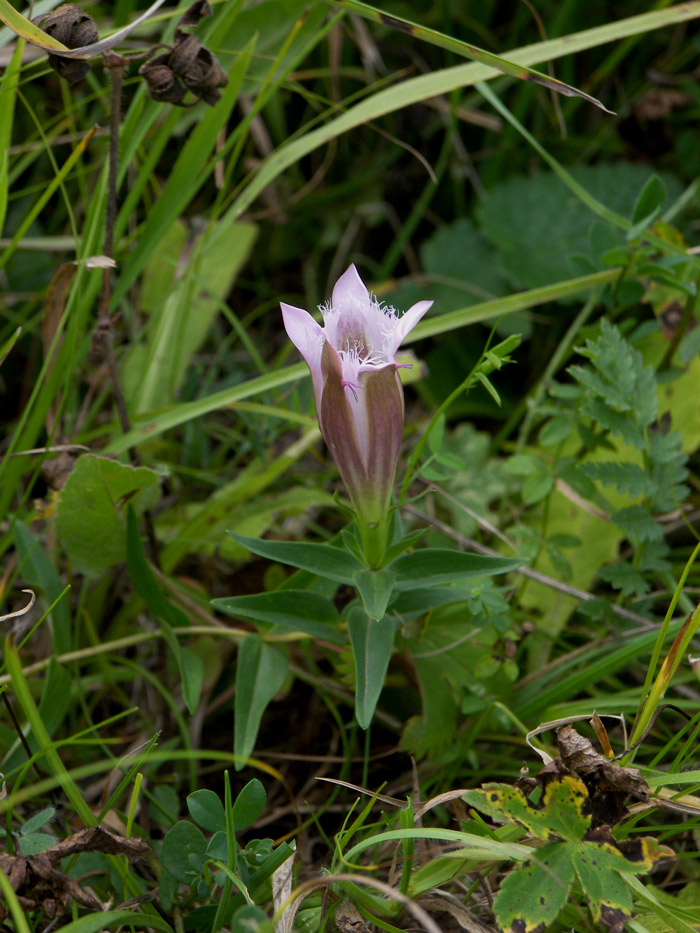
x: 358, y: 394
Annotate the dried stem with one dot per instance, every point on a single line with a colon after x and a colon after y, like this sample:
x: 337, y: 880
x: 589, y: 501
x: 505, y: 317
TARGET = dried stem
x: 116, y: 65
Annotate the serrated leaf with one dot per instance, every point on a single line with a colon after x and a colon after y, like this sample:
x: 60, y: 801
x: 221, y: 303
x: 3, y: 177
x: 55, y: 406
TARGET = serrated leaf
x: 626, y: 477
x: 626, y: 578
x: 260, y: 672
x: 91, y: 511
x: 292, y: 610
x: 323, y: 559
x: 532, y: 894
x: 638, y: 524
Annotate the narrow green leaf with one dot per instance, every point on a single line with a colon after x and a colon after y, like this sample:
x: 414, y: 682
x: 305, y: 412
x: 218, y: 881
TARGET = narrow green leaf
x: 292, y: 610
x: 189, y: 664
x: 54, y: 761
x: 466, y: 50
x: 93, y: 923
x: 23, y: 27
x: 260, y: 672
x: 37, y: 569
x: 46, y: 194
x: 375, y: 588
x: 8, y: 95
x: 323, y: 559
x: 441, y: 565
x: 193, y: 166
x: 372, y: 645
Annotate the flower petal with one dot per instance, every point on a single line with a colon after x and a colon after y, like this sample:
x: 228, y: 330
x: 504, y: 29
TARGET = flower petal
x: 350, y: 292
x: 408, y: 321
x: 308, y: 337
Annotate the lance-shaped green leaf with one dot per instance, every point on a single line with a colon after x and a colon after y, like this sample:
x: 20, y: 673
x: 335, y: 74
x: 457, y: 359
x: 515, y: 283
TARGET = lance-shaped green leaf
x: 441, y: 565
x: 260, y: 673
x: 466, y: 50
x: 323, y: 559
x: 372, y: 644
x: 375, y: 588
x: 292, y: 610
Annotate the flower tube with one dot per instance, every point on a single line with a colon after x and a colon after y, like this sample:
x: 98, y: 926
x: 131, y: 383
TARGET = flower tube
x: 358, y: 393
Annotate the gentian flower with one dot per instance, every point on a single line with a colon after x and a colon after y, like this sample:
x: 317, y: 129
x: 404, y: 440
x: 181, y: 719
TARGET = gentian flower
x: 358, y: 393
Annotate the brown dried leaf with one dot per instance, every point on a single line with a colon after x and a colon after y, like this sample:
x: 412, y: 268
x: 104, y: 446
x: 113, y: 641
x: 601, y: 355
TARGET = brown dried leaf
x: 608, y: 783
x: 39, y: 884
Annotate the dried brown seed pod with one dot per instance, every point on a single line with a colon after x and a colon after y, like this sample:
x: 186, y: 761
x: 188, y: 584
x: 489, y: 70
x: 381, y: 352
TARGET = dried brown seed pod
x: 187, y: 66
x: 74, y: 28
x: 163, y: 84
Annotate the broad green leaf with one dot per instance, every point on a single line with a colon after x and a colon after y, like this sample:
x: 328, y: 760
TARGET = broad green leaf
x: 183, y: 851
x: 532, y: 894
x: 375, y: 588
x: 249, y: 805
x: 90, y: 516
x: 38, y: 820
x: 466, y: 50
x: 537, y: 223
x: 323, y: 559
x: 260, y: 672
x: 207, y: 810
x: 441, y: 565
x: 558, y: 815
x: 190, y: 665
x: 292, y: 610
x: 372, y: 645
x: 537, y: 487
x: 249, y: 919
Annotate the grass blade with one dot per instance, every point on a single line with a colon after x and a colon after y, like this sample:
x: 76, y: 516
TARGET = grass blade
x: 521, y: 72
